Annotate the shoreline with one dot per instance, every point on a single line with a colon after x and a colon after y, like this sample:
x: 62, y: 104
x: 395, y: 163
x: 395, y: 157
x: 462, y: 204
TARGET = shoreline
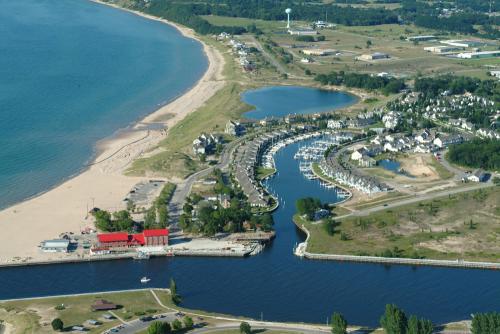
x: 101, y: 181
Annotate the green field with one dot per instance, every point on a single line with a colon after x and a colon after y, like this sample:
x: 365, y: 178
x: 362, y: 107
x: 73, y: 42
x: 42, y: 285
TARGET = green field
x: 450, y: 227
x: 35, y: 315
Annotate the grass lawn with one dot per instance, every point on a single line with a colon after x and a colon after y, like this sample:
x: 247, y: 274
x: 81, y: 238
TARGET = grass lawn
x: 35, y: 315
x: 449, y: 227
x: 263, y: 172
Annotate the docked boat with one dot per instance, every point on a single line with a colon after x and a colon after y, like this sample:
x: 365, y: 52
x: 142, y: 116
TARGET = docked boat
x: 145, y: 280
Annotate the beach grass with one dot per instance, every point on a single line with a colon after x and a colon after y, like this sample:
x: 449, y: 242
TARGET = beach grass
x: 448, y: 227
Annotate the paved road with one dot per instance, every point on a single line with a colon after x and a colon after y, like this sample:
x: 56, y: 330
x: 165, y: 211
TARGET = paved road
x: 226, y: 327
x: 183, y: 189
x: 416, y: 199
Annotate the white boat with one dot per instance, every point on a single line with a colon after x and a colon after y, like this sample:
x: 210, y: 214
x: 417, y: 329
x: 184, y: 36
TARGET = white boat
x: 145, y: 279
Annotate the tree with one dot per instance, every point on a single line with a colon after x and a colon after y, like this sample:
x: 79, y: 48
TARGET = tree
x: 176, y: 324
x: 158, y: 327
x: 123, y: 221
x: 176, y: 299
x: 57, y: 324
x: 150, y: 218
x: 245, y: 328
x: 339, y: 324
x: 394, y: 320
x: 188, y: 322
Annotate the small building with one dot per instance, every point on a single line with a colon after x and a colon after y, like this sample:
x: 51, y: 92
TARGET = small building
x: 320, y: 214
x: 374, y: 56
x: 478, y: 176
x: 479, y: 55
x: 442, y: 49
x: 108, y: 316
x: 463, y: 43
x: 317, y: 52
x: 103, y: 305
x: 156, y: 237
x: 307, y: 60
x: 495, y: 74
x: 421, y: 38
x: 302, y: 32
x: 55, y: 246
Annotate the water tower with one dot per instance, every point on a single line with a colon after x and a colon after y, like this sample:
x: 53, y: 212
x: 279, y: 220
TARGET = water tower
x: 288, y: 11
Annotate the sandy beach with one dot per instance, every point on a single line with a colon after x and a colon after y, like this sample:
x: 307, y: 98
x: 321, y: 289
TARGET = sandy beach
x: 64, y: 208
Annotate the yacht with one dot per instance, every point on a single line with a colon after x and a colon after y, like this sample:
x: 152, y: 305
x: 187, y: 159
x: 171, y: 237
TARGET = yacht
x: 145, y: 279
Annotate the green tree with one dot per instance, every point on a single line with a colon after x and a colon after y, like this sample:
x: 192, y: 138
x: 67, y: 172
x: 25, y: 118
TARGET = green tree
x: 339, y: 324
x: 103, y: 220
x: 57, y: 324
x: 176, y: 324
x: 150, y: 218
x: 188, y: 322
x: 176, y: 298
x: 158, y: 327
x: 245, y: 328
x: 122, y: 220
x: 394, y: 320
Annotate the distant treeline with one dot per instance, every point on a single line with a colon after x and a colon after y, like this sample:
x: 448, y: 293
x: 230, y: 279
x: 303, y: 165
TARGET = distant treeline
x: 472, y: 15
x: 364, y: 81
x: 458, y: 85
x: 478, y: 153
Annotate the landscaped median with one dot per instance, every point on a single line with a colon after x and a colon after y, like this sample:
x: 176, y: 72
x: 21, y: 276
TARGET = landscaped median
x: 447, y: 229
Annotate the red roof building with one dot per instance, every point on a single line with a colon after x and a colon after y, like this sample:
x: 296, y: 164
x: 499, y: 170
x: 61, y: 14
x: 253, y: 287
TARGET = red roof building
x: 156, y: 237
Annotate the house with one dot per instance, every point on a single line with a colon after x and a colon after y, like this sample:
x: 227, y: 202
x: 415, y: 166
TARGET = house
x: 424, y: 137
x: 235, y: 128
x: 445, y: 140
x: 359, y: 153
x: 205, y: 144
x: 103, y: 305
x: 467, y: 126
x: 336, y: 124
x: 478, y: 176
x: 367, y: 161
x: 55, y: 246
x: 320, y: 214
x: 225, y: 200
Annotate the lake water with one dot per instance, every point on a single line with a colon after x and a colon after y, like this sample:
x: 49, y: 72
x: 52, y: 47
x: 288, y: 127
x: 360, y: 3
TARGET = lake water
x: 275, y: 282
x: 73, y: 72
x: 279, y: 101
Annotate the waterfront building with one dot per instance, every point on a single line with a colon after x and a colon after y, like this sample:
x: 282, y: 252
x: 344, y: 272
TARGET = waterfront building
x: 55, y: 246
x: 121, y: 240
x: 336, y: 124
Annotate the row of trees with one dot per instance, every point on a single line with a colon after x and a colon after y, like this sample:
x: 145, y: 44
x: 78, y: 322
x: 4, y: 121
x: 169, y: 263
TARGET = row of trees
x: 458, y: 85
x: 157, y: 215
x: 478, y: 153
x: 160, y: 327
x: 364, y: 81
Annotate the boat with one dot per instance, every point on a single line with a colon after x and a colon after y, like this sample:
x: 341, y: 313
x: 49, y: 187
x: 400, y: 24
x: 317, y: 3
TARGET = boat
x: 145, y: 279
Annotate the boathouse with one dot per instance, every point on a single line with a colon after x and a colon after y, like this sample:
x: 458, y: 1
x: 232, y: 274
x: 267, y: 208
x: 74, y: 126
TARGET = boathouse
x: 155, y: 237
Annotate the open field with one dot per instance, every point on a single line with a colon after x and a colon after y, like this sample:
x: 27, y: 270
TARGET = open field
x: 35, y: 315
x: 450, y: 227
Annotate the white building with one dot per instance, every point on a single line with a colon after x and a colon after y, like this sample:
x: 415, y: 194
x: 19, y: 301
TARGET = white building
x: 55, y: 246
x: 335, y: 124
x: 478, y: 55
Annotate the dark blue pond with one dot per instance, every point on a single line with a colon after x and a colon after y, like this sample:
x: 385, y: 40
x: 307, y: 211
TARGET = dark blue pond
x: 279, y: 101
x: 276, y: 282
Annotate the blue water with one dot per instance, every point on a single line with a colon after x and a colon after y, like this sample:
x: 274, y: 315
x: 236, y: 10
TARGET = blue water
x: 275, y: 282
x: 73, y: 72
x: 389, y: 165
x: 279, y: 101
